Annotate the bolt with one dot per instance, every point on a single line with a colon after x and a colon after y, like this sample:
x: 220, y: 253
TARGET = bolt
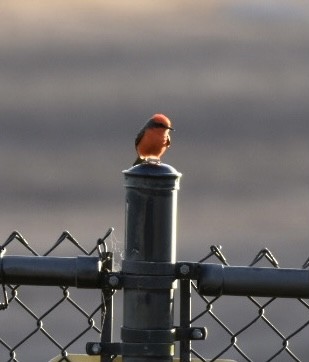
x: 96, y: 348
x: 197, y: 334
x: 113, y: 281
x: 184, y: 269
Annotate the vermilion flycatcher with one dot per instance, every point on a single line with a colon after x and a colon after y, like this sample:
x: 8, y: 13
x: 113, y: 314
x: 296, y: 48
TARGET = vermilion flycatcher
x: 153, y: 139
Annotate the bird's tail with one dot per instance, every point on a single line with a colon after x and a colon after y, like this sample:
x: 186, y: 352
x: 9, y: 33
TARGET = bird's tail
x: 138, y: 161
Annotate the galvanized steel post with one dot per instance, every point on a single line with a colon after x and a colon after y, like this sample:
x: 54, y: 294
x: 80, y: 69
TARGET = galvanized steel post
x: 150, y: 243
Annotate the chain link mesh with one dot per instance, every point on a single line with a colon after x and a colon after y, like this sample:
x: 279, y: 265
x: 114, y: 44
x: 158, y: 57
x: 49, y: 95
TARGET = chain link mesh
x: 251, y: 329
x: 48, y: 320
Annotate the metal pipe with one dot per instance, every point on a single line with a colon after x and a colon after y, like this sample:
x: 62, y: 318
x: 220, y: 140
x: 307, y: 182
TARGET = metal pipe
x: 185, y: 318
x: 150, y: 236
x: 215, y: 279
x: 81, y: 272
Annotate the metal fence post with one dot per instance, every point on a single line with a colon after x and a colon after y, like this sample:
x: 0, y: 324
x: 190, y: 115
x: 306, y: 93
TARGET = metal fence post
x: 150, y: 239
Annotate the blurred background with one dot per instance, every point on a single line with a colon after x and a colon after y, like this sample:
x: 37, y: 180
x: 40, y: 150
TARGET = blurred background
x: 78, y: 79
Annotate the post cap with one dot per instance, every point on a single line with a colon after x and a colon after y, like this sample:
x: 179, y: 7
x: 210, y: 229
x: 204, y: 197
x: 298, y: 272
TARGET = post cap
x: 152, y: 176
x: 152, y: 170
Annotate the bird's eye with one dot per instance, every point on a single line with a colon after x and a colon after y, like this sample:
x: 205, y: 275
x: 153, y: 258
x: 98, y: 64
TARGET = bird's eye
x: 160, y: 125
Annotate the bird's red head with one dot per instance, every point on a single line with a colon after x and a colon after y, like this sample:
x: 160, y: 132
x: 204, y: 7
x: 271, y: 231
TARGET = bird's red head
x: 163, y: 120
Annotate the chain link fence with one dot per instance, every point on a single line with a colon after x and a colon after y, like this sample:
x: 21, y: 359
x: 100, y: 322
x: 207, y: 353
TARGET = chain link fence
x: 252, y: 328
x: 38, y: 323
x: 42, y: 322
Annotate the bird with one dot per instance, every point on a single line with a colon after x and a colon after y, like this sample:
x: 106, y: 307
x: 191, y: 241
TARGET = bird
x: 153, y: 139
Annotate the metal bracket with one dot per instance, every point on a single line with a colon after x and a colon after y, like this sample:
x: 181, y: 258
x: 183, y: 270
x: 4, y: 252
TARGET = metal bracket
x: 120, y: 280
x: 147, y: 275
x: 179, y: 270
x: 146, y: 342
x: 130, y: 349
x: 148, y: 268
x: 5, y: 303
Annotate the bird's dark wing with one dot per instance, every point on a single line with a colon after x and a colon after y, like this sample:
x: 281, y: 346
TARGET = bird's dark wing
x: 139, y: 136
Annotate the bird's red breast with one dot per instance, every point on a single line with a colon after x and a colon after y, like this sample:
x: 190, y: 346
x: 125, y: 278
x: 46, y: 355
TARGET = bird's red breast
x: 153, y: 139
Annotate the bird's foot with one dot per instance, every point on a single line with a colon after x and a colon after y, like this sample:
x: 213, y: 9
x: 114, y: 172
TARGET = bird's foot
x: 152, y: 161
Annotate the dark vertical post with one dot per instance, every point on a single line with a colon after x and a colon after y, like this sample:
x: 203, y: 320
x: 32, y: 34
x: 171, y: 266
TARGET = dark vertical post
x: 185, y: 318
x: 150, y: 237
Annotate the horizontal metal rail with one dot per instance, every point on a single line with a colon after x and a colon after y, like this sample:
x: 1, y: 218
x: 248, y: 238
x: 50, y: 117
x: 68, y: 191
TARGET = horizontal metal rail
x: 80, y: 272
x: 215, y: 279
x: 212, y: 279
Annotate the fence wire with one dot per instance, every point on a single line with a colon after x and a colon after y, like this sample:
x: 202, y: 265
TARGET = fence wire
x: 29, y: 330
x: 252, y: 329
x: 60, y: 320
